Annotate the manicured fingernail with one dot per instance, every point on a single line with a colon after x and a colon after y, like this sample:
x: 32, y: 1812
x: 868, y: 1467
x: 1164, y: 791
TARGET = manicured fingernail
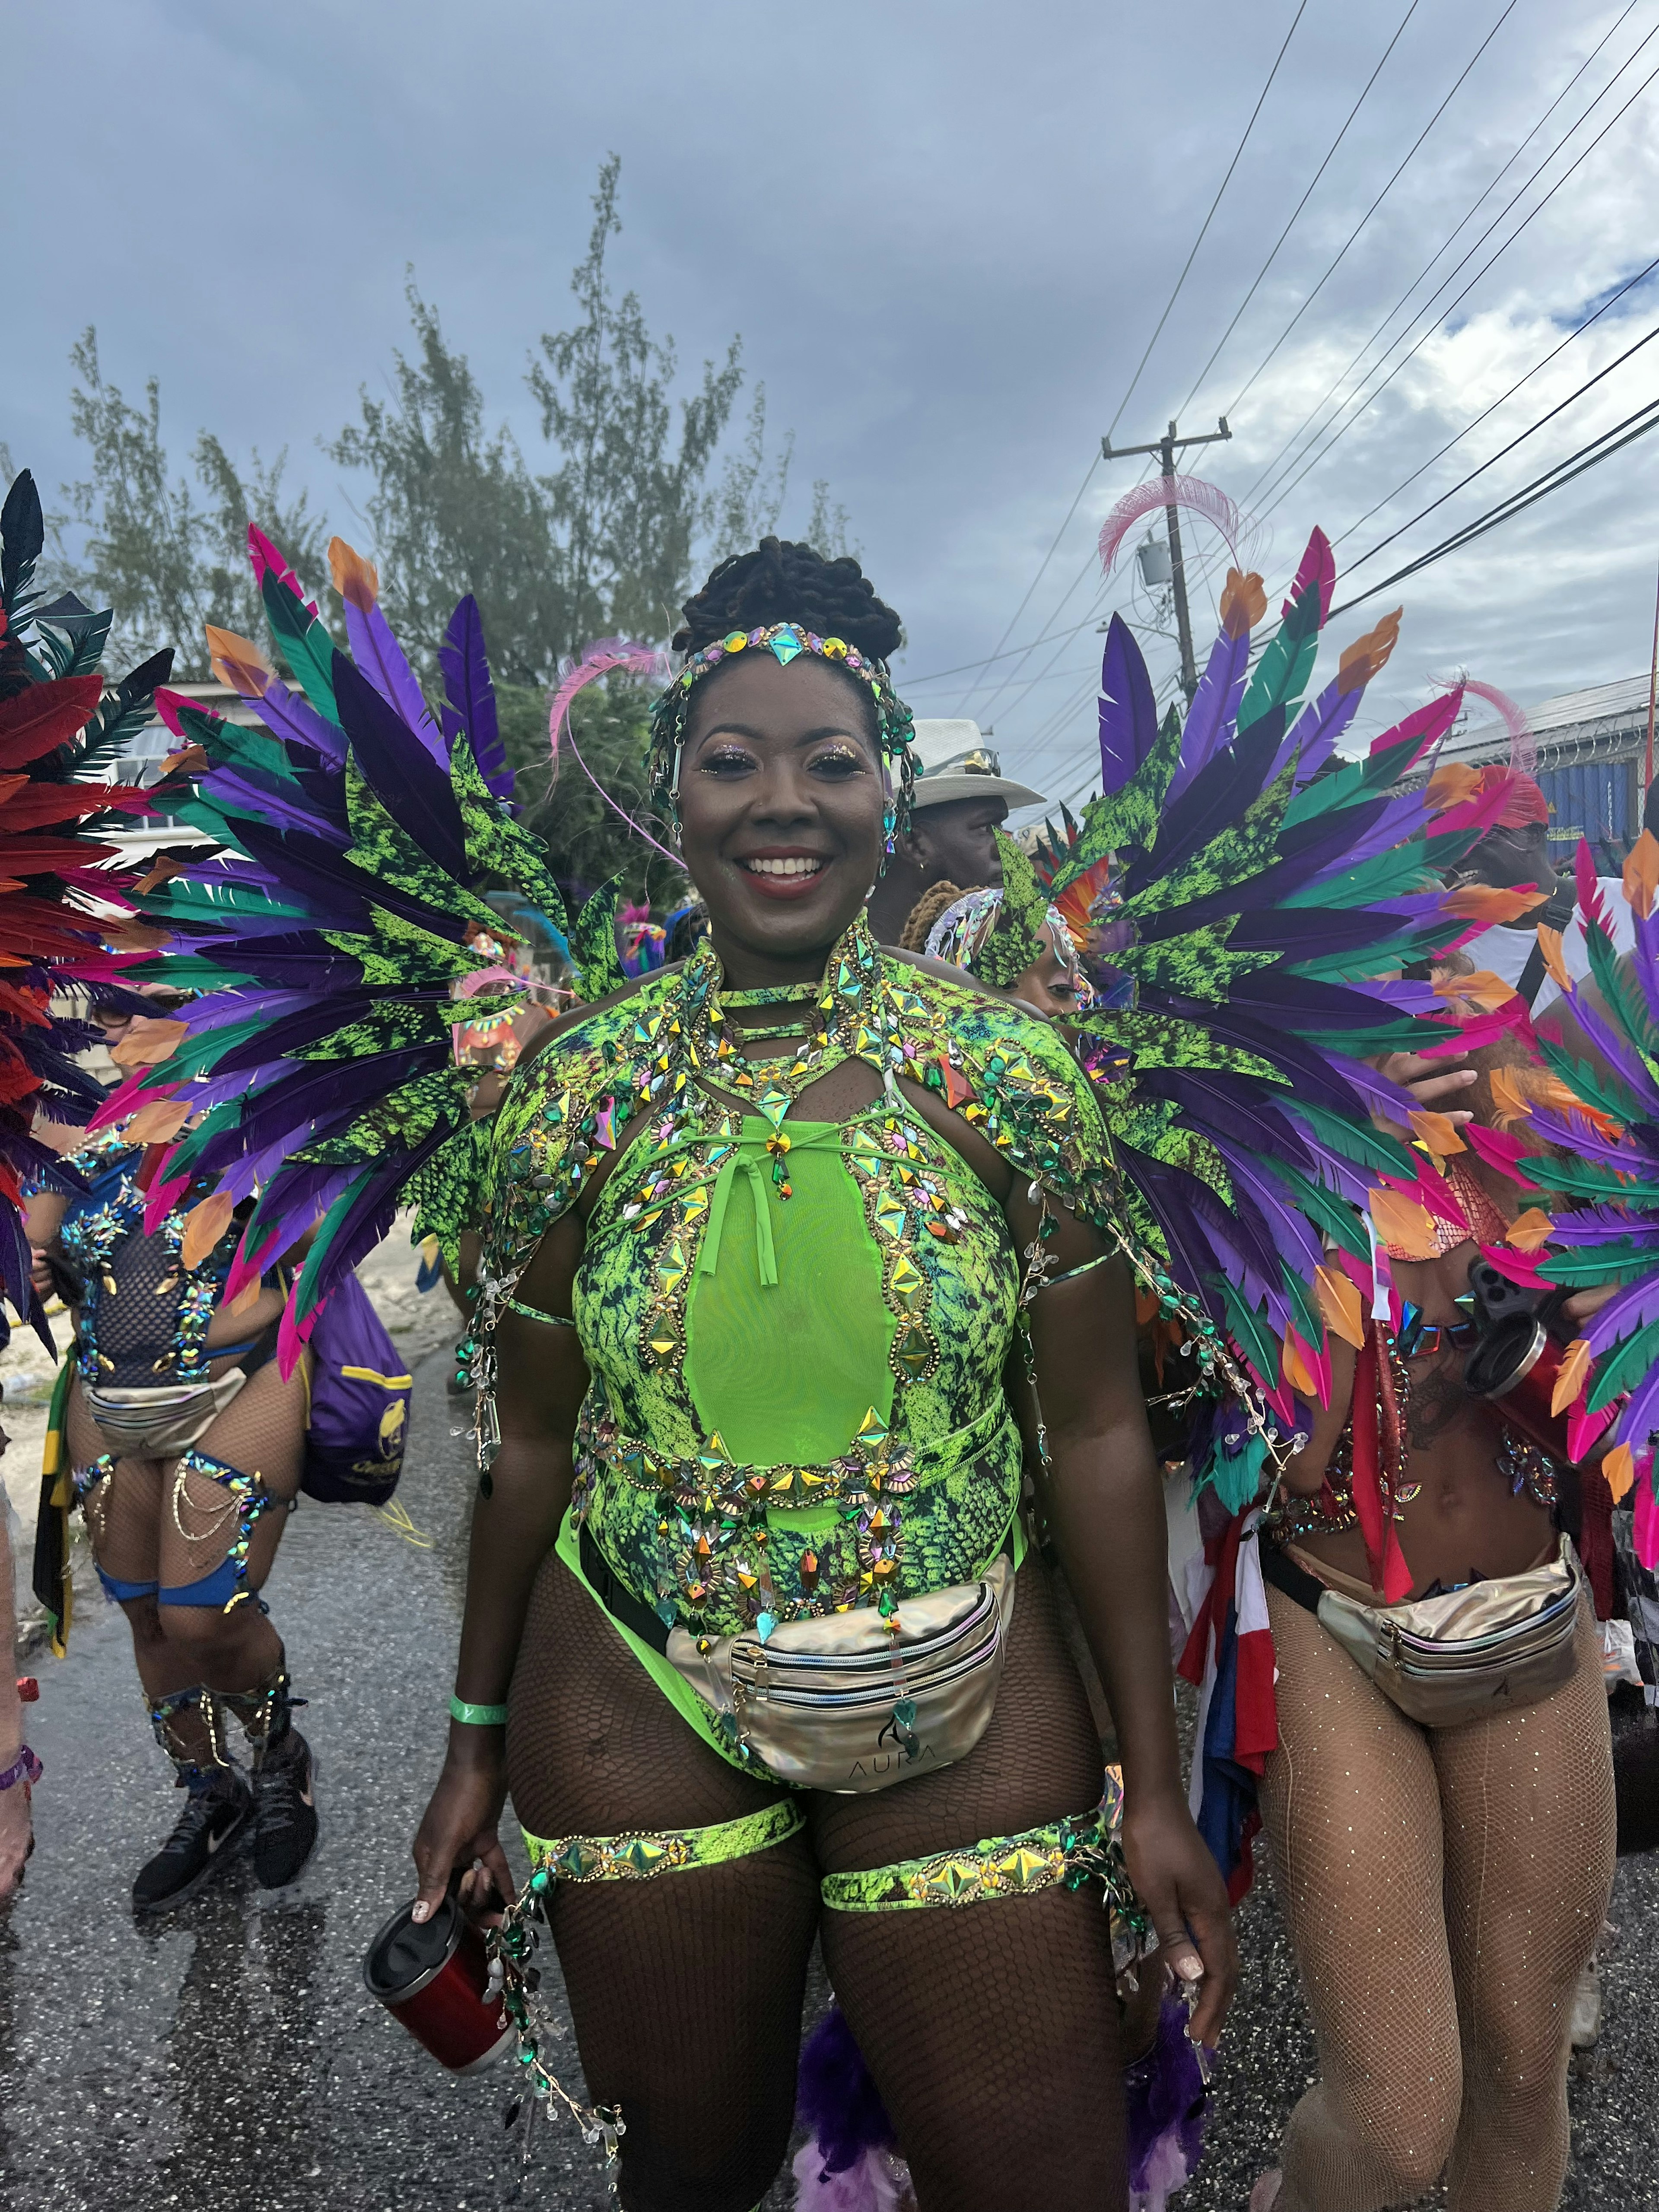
x: 1189, y: 1970
x: 1468, y: 1075
x: 421, y: 1910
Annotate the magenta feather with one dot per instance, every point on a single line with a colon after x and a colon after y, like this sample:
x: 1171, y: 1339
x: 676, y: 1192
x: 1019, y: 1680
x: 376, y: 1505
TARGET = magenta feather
x: 1318, y: 567
x: 1591, y: 904
x: 1422, y: 728
x: 268, y: 560
x: 1192, y: 493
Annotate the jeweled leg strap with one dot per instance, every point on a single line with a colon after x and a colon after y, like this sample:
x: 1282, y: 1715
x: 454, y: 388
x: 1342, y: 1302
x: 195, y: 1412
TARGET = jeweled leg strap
x: 1062, y: 1854
x: 641, y: 1855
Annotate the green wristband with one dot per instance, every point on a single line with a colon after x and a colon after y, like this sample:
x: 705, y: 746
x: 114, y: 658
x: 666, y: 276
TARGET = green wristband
x: 476, y: 1715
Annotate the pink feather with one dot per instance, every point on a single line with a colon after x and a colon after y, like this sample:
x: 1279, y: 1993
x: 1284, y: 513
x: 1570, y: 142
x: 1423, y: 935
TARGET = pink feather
x: 1203, y: 499
x: 266, y: 557
x: 603, y: 658
x: 1318, y: 566
x: 1590, y: 902
x: 1524, y: 746
x: 1499, y: 1150
x: 1423, y: 727
x: 1646, y: 1532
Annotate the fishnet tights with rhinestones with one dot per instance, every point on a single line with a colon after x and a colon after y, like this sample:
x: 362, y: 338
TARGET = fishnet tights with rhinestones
x: 992, y: 2031
x: 1442, y: 1889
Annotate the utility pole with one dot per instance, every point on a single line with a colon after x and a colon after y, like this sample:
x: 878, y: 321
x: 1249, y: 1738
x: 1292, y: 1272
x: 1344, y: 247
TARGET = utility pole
x: 1166, y: 448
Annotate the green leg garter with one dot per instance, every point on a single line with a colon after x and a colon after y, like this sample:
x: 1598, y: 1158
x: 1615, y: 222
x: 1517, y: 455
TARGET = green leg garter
x: 1063, y: 1854
x: 639, y: 1855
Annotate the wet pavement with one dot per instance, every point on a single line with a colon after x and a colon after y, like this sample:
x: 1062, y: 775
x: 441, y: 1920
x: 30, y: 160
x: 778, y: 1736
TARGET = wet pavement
x: 227, y: 2057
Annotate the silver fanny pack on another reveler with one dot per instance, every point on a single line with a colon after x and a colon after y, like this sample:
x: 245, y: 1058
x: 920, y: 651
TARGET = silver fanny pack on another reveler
x: 852, y: 1702
x: 159, y: 1423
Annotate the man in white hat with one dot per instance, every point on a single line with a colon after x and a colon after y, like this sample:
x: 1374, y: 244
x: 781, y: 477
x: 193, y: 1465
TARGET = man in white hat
x: 961, y: 798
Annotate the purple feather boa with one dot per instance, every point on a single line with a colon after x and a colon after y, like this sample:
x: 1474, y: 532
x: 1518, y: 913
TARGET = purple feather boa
x: 1165, y: 2105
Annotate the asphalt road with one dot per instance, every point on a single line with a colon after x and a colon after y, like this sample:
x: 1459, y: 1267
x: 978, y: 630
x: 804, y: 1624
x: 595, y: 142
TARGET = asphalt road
x: 229, y: 2056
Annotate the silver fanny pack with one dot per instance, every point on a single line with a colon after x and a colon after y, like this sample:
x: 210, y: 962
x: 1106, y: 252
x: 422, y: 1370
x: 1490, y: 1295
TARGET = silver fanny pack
x: 1490, y: 1648
x: 159, y: 1422
x: 853, y: 1702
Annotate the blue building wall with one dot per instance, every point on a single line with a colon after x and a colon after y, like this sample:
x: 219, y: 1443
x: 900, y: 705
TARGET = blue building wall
x: 1597, y: 799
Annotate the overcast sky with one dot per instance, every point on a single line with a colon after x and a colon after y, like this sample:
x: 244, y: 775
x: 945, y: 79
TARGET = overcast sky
x: 947, y: 233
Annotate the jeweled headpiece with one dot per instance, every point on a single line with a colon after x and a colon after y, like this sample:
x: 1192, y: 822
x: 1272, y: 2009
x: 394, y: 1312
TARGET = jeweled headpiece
x: 786, y: 642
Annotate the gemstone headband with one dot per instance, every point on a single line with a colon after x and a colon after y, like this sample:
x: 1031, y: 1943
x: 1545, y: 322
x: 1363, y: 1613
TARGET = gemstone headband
x: 786, y: 642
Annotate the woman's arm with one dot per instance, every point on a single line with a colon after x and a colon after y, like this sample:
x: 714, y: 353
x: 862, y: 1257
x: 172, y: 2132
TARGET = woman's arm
x: 1305, y: 1474
x: 1105, y: 1507
x: 541, y: 1380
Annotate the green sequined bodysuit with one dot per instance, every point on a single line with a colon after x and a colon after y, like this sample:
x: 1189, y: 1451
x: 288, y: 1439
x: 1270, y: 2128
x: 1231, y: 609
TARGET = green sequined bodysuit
x: 796, y: 1330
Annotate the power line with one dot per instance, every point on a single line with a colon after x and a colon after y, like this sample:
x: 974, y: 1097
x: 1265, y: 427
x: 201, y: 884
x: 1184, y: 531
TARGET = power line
x: 966, y: 667
x: 1589, y: 322
x: 1554, y: 479
x: 1520, y: 438
x: 1341, y: 252
x: 1180, y: 281
x: 1076, y: 500
x: 1287, y: 481
x: 1187, y: 266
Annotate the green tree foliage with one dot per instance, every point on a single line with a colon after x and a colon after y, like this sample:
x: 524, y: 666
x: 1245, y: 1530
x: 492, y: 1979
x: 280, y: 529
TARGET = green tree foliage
x: 167, y: 557
x: 644, y: 488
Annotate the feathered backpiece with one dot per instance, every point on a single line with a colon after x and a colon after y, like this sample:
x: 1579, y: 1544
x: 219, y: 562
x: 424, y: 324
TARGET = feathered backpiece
x: 62, y: 726
x: 334, y: 908
x: 1244, y: 901
x: 1597, y: 1221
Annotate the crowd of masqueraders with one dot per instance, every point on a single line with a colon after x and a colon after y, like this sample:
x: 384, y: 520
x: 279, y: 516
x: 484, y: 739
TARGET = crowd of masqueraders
x: 919, y: 1292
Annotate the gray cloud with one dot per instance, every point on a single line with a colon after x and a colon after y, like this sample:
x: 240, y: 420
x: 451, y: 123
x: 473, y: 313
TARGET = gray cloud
x: 946, y: 233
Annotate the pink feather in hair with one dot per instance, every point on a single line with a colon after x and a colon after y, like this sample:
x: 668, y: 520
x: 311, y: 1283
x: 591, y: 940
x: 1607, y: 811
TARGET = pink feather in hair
x: 607, y: 656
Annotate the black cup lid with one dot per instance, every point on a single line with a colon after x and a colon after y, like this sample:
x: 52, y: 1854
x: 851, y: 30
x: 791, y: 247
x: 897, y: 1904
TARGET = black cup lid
x: 407, y: 1951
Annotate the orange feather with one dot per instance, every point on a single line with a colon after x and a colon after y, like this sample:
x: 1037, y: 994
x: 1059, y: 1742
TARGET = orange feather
x: 1367, y: 656
x: 238, y: 662
x: 1437, y: 1132
x: 1486, y: 904
x: 1530, y: 1231
x: 1642, y: 874
x: 1571, y: 1374
x: 1341, y: 1305
x: 1618, y: 1467
x: 1401, y: 1222
x: 205, y: 1225
x: 356, y: 580
x: 1243, y: 603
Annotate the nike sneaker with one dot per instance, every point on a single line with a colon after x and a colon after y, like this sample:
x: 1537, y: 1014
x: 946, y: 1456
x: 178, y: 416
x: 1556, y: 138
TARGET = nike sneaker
x: 284, y: 1810
x: 208, y: 1834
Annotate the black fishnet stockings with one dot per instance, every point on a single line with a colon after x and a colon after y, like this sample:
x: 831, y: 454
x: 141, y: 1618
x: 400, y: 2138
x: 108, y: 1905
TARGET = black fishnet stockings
x: 1442, y: 1889
x: 992, y: 2031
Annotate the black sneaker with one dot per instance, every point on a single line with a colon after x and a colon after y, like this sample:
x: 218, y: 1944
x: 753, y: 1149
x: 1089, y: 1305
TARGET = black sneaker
x: 284, y: 1810
x: 206, y: 1835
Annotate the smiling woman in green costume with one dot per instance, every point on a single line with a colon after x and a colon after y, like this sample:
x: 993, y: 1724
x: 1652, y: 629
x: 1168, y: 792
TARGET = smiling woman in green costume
x: 774, y: 1241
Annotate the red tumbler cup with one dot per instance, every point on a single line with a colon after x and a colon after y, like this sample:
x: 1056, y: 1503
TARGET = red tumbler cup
x: 1514, y: 1366
x: 434, y: 1976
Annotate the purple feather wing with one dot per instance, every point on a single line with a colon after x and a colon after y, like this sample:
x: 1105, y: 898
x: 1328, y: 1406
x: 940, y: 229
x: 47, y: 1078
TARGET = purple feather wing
x: 1316, y: 729
x: 1634, y: 1308
x: 290, y: 716
x: 1210, y: 720
x: 469, y: 697
x: 380, y: 659
x: 1129, y: 713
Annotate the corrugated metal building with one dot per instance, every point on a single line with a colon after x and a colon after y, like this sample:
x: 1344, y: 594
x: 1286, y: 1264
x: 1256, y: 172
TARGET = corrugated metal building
x: 1592, y: 747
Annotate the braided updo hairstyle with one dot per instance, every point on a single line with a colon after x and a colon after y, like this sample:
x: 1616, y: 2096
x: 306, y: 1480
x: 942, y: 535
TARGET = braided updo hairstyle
x: 780, y: 581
